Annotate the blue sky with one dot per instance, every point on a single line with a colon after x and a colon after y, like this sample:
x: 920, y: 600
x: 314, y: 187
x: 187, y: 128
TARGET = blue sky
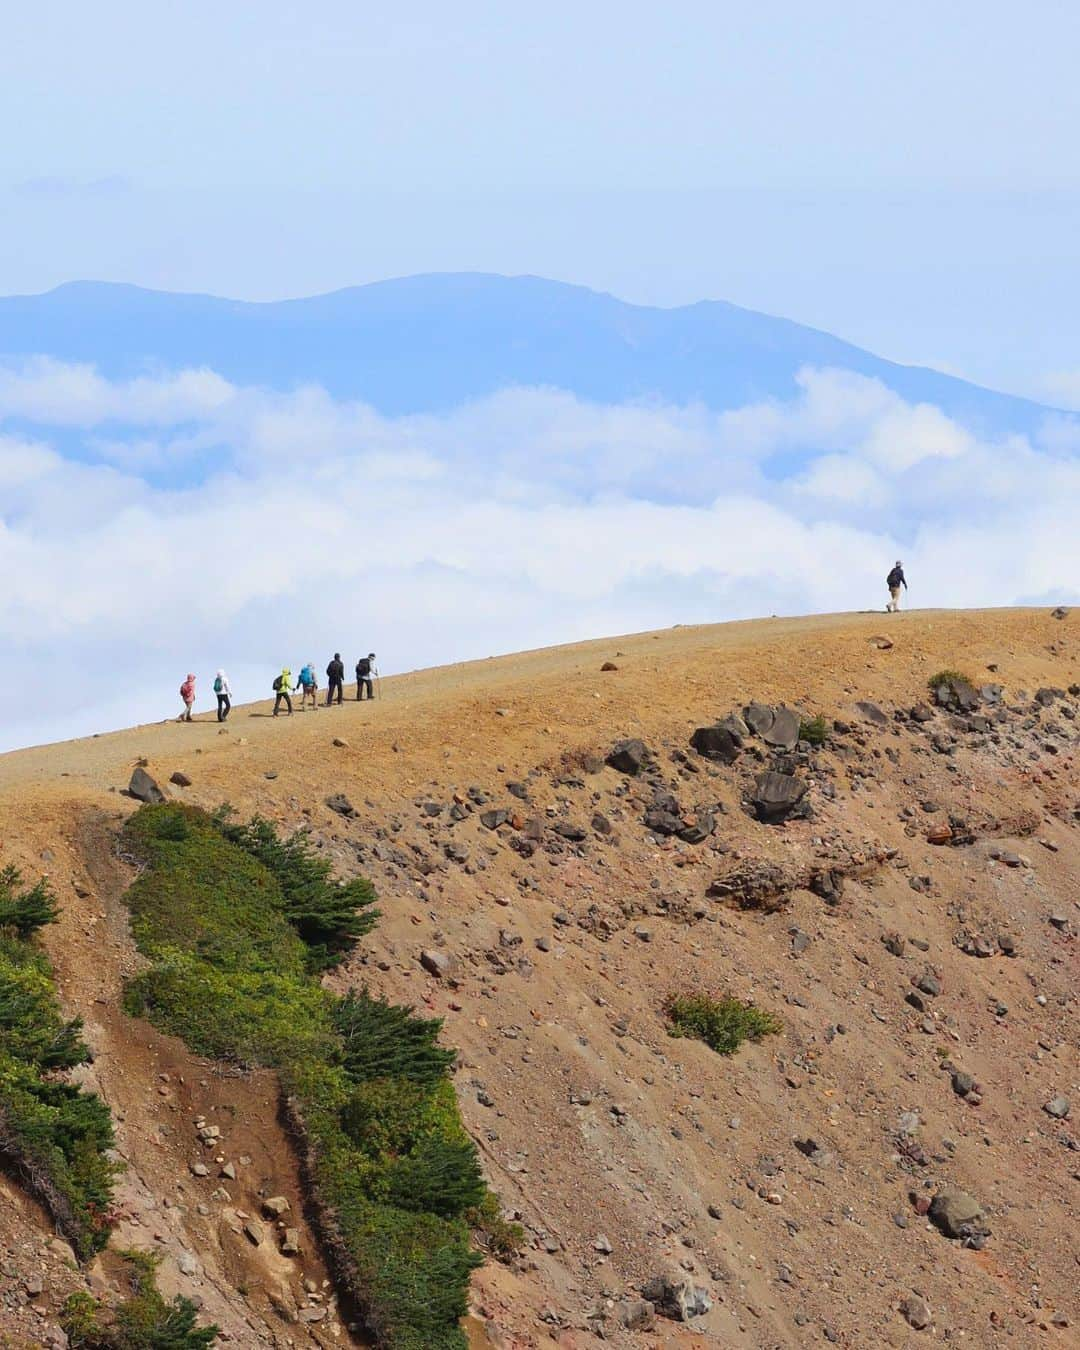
x: 904, y: 176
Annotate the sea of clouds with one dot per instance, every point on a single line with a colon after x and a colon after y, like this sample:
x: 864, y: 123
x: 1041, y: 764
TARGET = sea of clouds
x: 178, y: 522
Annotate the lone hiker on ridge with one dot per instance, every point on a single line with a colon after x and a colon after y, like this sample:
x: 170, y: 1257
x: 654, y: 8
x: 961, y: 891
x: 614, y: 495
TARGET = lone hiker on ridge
x: 281, y: 690
x: 335, y: 674
x: 365, y: 675
x: 894, y: 581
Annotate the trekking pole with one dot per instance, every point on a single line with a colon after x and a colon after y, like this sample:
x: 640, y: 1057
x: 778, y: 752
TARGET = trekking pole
x: 378, y: 685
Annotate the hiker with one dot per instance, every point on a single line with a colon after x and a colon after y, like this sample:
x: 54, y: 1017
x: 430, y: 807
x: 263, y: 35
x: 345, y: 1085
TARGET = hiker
x: 187, y: 693
x: 224, y: 695
x: 365, y: 675
x: 308, y: 686
x: 281, y: 690
x: 894, y: 581
x: 335, y: 674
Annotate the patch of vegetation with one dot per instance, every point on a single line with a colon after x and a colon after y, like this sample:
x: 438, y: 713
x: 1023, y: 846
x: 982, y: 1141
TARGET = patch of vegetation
x: 949, y: 678
x: 814, y: 730
x: 53, y: 1135
x: 236, y: 923
x: 499, y: 1236
x: 329, y: 917
x: 722, y: 1023
x: 143, y: 1321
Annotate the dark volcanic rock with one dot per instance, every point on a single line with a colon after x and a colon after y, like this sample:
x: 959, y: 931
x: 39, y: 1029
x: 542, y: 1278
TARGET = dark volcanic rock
x: 759, y: 718
x: 776, y: 795
x: 338, y: 802
x: 628, y: 756
x: 717, y: 743
x: 783, y: 733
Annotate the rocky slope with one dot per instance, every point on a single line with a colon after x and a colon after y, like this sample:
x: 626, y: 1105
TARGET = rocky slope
x: 902, y: 897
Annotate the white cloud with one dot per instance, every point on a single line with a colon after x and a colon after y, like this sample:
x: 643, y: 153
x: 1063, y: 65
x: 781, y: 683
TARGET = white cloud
x: 288, y: 525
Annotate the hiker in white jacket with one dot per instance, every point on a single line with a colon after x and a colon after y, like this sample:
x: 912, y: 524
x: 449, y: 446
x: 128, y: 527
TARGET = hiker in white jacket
x: 224, y: 695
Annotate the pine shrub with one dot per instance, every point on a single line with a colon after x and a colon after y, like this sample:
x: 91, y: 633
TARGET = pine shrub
x: 384, y: 1040
x: 53, y: 1136
x: 329, y: 917
x: 23, y: 912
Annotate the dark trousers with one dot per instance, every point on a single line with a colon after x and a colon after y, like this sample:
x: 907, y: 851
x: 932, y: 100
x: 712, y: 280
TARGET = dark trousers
x: 334, y: 684
x: 223, y: 707
x: 281, y: 694
x: 363, y: 684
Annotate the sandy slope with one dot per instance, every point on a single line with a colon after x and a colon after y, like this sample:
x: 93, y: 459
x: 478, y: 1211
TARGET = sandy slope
x: 593, y: 1123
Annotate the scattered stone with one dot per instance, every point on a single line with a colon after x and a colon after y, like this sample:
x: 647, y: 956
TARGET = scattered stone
x: 337, y: 801
x: 954, y: 1211
x: 628, y: 756
x: 609, y: 665
x: 144, y: 788
x: 636, y: 1314
x: 440, y: 964
x: 276, y: 1205
x: 1058, y: 1107
x: 602, y: 1245
x: 187, y: 1264
x: 340, y: 742
x: 717, y: 743
x: 1059, y: 613
x: 916, y: 1312
x: 783, y: 733
x: 253, y: 1232
x: 290, y: 1242
x: 776, y: 795
x: 677, y: 1297
x: 492, y: 819
x: 180, y: 779
x: 872, y: 713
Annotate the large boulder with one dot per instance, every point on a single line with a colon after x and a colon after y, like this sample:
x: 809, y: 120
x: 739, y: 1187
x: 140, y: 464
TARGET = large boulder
x: 719, y: 743
x: 628, y: 756
x: 955, y: 1212
x: 783, y: 732
x: 776, y: 795
x: 145, y: 789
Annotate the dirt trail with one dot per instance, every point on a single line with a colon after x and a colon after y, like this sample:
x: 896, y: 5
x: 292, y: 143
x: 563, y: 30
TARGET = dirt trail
x: 602, y: 1131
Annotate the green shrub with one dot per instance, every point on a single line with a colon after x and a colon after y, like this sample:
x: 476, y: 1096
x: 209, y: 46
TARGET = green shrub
x: 501, y: 1237
x: 383, y: 1040
x: 722, y: 1023
x: 329, y: 917
x: 143, y: 1321
x: 952, y: 678
x: 24, y: 912
x: 53, y: 1136
x: 234, y: 923
x: 814, y: 730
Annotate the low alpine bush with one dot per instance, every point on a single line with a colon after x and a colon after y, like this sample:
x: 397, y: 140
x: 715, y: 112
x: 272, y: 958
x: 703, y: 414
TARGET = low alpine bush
x: 814, y: 730
x: 722, y: 1023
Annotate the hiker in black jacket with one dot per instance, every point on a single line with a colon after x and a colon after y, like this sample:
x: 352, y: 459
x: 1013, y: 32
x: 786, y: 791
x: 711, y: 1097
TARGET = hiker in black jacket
x: 335, y: 674
x: 894, y: 581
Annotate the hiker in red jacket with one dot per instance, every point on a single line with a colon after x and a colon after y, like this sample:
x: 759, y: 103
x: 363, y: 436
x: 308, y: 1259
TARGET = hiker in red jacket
x: 187, y: 693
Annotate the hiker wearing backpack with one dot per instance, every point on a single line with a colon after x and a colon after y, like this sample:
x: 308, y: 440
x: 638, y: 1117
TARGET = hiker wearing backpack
x: 365, y: 675
x: 894, y: 581
x: 308, y: 686
x: 281, y: 690
x: 335, y: 674
x: 224, y: 695
x: 187, y: 693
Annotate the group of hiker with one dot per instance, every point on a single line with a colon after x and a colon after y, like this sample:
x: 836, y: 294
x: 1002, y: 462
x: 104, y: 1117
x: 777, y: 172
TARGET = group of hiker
x: 307, y: 685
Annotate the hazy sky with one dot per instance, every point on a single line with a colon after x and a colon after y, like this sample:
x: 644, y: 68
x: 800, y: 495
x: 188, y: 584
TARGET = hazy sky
x: 906, y: 176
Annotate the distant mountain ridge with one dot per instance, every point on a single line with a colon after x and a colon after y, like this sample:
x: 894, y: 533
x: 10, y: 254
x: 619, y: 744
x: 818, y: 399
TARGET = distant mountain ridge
x: 430, y: 342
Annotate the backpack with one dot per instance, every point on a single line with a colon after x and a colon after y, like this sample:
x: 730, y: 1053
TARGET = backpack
x: 218, y: 686
x: 363, y: 668
x: 894, y: 578
x: 277, y: 684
